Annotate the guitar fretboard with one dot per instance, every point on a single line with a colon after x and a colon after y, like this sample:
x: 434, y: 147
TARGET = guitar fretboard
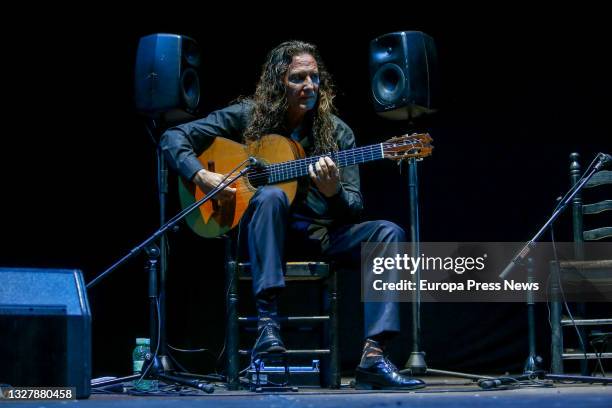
x: 280, y: 172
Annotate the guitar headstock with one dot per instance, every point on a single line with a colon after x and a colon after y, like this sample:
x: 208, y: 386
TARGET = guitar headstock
x: 416, y: 145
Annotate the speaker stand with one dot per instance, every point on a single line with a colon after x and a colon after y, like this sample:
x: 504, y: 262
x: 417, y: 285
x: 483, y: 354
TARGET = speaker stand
x: 159, y: 293
x: 416, y: 364
x: 160, y: 364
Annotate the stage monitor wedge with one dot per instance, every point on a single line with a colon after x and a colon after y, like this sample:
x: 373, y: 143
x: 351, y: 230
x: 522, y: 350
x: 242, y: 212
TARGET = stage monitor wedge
x: 45, y: 329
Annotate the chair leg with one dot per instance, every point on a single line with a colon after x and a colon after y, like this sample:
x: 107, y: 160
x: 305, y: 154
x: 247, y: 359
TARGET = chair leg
x: 584, y: 363
x: 555, y: 317
x: 334, y: 332
x: 557, y: 338
x: 232, y: 328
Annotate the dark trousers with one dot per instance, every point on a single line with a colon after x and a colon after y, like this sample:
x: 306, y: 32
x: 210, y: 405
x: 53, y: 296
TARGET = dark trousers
x: 268, y: 224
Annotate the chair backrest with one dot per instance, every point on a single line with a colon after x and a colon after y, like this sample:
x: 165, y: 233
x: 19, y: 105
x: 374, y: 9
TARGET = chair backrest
x: 580, y: 209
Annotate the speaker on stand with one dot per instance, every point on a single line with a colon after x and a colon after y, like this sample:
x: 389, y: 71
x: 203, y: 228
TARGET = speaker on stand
x: 166, y: 92
x: 404, y: 87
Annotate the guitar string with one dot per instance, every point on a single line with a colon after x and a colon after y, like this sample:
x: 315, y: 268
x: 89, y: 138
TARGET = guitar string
x: 255, y: 176
x: 346, y: 154
x: 289, y: 170
x: 297, y: 168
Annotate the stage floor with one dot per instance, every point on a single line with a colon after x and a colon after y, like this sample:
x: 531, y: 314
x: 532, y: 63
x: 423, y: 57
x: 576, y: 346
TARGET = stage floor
x: 440, y: 392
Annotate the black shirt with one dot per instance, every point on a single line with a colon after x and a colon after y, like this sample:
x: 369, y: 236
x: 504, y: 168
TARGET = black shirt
x: 182, y: 144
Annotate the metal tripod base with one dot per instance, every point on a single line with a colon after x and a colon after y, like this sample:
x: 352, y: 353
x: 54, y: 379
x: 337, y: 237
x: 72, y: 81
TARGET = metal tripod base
x: 157, y: 372
x: 580, y: 378
x: 504, y: 382
x: 166, y: 364
x: 416, y: 365
x: 432, y: 371
x: 532, y: 364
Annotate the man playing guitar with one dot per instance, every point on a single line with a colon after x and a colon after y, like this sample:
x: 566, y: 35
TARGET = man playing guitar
x: 294, y: 98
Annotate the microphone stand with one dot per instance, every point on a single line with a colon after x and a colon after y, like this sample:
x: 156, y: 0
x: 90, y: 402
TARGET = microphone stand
x: 154, y: 367
x: 532, y: 364
x: 531, y: 369
x: 522, y: 254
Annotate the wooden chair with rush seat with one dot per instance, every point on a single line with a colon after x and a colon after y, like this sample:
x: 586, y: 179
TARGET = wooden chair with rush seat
x: 598, y: 271
x: 319, y: 272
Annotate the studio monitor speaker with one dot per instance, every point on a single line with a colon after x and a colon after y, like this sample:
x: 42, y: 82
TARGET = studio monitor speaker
x: 403, y: 74
x: 166, y: 74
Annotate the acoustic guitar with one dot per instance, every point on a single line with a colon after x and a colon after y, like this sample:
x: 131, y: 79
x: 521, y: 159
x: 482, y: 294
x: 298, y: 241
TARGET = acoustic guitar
x: 284, y: 162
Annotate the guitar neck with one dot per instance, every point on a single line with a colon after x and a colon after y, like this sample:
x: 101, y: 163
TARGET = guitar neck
x: 285, y: 171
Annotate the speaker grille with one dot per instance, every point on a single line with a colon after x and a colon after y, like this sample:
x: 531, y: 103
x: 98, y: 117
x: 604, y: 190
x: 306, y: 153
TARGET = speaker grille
x: 190, y: 87
x: 388, y: 84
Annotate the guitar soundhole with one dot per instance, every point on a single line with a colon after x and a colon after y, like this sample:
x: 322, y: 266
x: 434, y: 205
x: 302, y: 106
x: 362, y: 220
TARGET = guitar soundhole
x: 258, y: 177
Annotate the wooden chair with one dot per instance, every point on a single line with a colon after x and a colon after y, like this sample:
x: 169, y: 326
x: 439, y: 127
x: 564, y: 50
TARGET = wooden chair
x: 600, y: 270
x: 319, y: 272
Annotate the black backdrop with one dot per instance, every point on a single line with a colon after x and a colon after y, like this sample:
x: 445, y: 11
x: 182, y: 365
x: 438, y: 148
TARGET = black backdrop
x: 519, y: 93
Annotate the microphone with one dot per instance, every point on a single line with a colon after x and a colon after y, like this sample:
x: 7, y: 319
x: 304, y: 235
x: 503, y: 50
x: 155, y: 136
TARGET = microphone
x: 255, y: 164
x: 509, y: 268
x: 605, y: 159
x: 517, y: 260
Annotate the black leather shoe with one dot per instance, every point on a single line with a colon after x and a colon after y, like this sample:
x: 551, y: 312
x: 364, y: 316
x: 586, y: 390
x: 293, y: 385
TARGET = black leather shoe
x: 383, y: 375
x: 269, y: 340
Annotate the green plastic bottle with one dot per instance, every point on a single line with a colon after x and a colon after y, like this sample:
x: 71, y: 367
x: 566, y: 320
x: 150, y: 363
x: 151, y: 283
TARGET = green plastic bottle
x: 138, y: 359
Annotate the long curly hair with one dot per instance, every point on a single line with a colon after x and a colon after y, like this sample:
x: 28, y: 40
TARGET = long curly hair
x: 270, y: 99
